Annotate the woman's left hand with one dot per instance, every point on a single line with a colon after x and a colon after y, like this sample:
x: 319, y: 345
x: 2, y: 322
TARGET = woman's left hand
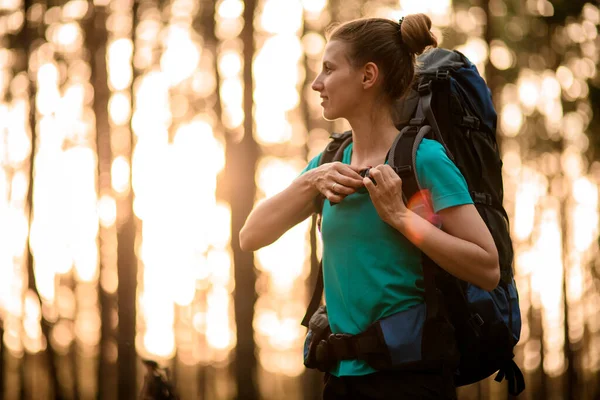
x: 386, y: 195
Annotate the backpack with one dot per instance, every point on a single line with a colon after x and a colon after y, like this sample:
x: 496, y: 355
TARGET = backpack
x: 157, y: 384
x: 450, y: 103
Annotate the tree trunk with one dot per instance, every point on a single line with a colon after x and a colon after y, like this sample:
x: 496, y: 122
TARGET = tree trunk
x: 241, y: 161
x: 96, y: 41
x: 204, y: 24
x: 127, y: 273
x: 28, y: 34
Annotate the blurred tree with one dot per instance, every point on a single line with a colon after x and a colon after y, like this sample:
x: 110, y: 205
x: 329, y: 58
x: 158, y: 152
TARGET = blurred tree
x: 96, y: 42
x: 24, y: 43
x: 240, y: 167
x: 128, y: 276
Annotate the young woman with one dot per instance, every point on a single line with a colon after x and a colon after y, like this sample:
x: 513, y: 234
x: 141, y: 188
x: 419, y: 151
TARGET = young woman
x: 371, y: 240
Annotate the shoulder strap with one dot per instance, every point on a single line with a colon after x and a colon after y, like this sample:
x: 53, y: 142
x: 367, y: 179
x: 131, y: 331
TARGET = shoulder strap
x: 403, y: 155
x: 337, y: 139
x: 315, y: 300
x: 424, y: 109
x: 403, y: 160
x: 333, y: 152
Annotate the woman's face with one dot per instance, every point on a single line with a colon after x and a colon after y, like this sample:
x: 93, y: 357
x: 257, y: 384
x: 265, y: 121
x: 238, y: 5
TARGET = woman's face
x: 339, y: 84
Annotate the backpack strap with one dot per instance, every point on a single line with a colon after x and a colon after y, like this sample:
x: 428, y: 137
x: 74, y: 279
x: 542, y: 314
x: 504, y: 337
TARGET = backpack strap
x: 510, y: 370
x: 424, y: 110
x: 333, y: 152
x: 402, y: 158
x: 512, y: 373
x: 403, y: 155
x: 315, y: 299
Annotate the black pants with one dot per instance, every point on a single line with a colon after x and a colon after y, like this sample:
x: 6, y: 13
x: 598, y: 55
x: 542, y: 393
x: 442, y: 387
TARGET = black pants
x: 390, y: 385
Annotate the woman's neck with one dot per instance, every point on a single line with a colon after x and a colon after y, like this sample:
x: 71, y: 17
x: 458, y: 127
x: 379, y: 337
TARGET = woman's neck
x: 372, y: 137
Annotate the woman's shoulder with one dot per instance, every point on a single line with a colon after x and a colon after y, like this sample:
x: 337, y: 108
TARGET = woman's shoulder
x: 432, y: 161
x: 313, y: 163
x: 430, y: 145
x: 430, y: 150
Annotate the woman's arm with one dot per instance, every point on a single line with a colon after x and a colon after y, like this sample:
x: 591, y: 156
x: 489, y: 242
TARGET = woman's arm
x: 465, y: 247
x: 273, y: 217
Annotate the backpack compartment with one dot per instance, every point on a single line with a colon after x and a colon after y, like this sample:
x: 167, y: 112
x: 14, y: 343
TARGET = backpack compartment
x: 477, y: 157
x: 487, y: 326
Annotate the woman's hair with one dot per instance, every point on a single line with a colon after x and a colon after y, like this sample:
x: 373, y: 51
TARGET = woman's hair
x: 393, y: 46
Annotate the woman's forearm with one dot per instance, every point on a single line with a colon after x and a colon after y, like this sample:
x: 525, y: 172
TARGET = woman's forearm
x: 461, y: 258
x: 272, y: 217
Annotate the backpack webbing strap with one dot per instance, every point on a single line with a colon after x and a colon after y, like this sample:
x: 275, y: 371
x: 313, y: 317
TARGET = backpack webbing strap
x: 360, y: 346
x: 424, y: 110
x: 403, y: 156
x: 315, y: 300
x: 333, y: 152
x: 431, y: 291
x: 512, y: 373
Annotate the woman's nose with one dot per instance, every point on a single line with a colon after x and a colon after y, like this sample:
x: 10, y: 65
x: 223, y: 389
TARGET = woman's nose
x: 317, y: 85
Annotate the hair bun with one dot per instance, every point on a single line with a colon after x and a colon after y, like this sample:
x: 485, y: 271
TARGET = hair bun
x: 415, y: 30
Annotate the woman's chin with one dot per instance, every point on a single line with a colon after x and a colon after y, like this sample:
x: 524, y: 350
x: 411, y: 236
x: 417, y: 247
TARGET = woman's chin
x: 329, y: 116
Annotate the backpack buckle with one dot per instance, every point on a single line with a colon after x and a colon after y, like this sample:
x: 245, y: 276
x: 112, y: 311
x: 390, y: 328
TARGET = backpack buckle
x: 416, y: 122
x: 340, y: 346
x: 470, y: 122
x: 424, y: 87
x: 403, y: 170
x: 476, y: 322
x: 442, y: 75
x: 482, y: 198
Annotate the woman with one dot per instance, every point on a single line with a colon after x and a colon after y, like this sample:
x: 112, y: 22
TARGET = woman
x: 371, y: 240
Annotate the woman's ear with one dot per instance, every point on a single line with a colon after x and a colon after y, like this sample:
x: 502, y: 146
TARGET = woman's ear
x: 370, y: 74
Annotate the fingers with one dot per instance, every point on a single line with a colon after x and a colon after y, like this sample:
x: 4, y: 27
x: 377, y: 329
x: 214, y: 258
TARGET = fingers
x: 339, y: 188
x: 340, y: 180
x: 388, y: 171
x: 377, y: 175
x: 369, y: 184
x: 333, y: 197
x: 384, y: 173
x: 337, y: 192
x: 347, y: 181
x: 346, y: 169
x: 346, y: 175
x: 384, y: 177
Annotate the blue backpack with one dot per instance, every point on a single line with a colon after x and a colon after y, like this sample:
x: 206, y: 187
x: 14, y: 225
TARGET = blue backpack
x: 460, y: 325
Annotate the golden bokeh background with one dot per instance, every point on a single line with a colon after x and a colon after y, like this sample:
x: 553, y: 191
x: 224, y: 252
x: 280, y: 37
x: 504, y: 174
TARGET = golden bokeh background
x: 136, y: 135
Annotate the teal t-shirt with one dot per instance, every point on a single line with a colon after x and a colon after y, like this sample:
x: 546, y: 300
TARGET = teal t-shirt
x: 370, y: 270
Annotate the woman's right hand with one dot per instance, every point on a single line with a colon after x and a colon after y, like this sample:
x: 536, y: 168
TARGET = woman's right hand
x: 336, y: 180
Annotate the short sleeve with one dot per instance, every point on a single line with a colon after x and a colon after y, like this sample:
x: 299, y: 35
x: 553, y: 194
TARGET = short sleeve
x: 438, y: 174
x: 312, y: 164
